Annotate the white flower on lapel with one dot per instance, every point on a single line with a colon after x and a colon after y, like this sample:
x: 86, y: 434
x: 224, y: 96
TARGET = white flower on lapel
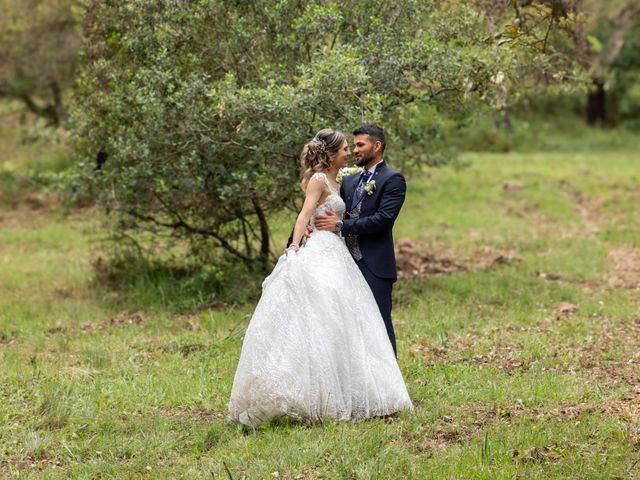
x: 346, y: 171
x: 369, y: 187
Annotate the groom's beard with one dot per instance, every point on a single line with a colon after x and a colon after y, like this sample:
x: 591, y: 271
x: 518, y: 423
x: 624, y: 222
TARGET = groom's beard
x: 364, y: 160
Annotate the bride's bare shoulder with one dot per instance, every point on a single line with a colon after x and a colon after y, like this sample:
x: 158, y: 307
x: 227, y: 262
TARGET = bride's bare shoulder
x: 315, y: 185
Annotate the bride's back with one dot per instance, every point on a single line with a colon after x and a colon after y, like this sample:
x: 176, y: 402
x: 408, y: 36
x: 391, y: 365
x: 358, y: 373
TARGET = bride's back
x: 331, y: 201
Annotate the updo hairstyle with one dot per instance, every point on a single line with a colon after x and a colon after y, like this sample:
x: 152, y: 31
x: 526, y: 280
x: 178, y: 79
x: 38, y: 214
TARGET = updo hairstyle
x: 317, y: 153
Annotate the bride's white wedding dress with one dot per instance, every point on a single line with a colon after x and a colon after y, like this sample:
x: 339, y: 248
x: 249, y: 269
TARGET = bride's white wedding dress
x: 316, y: 347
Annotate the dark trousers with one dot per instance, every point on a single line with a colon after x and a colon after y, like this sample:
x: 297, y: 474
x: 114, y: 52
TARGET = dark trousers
x: 381, y: 289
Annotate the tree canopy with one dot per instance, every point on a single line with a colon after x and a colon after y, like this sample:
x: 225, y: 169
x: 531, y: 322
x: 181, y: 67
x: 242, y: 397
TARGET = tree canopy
x: 190, y: 115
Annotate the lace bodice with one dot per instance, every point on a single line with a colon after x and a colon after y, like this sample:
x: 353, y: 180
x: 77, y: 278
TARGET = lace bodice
x: 333, y: 202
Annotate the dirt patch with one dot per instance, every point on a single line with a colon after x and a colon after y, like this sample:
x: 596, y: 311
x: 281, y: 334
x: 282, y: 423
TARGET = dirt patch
x: 6, y: 339
x: 548, y: 276
x: 563, y: 309
x: 625, y: 268
x: 609, y: 359
x: 201, y: 415
x: 33, y: 200
x: 536, y: 454
x: 443, y: 432
x: 485, y: 258
x: 443, y: 437
x: 468, y: 423
x: 188, y: 322
x: 12, y: 467
x: 307, y: 473
x: 503, y: 356
x: 69, y: 293
x: 512, y: 186
x: 627, y: 409
x: 588, y: 208
x: 122, y: 319
x: 419, y: 259
x: 19, y: 216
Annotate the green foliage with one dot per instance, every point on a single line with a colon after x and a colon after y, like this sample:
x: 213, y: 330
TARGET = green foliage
x: 201, y: 108
x: 172, y: 284
x: 624, y: 83
x: 33, y: 161
x: 550, y: 127
x: 39, y: 52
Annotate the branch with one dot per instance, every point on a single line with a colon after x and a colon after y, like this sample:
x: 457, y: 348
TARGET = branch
x: 546, y: 37
x: 191, y: 229
x: 233, y: 143
x: 629, y: 17
x: 48, y: 111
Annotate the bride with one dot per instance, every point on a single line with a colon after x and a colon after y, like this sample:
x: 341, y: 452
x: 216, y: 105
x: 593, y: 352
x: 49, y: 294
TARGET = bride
x: 316, y: 347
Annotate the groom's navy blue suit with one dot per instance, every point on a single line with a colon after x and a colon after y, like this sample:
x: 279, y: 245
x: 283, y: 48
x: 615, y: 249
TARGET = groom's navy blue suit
x: 378, y: 213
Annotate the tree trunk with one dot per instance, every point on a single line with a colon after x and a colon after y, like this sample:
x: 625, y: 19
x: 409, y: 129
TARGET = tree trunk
x: 264, y: 234
x: 58, y: 106
x: 506, y: 120
x: 596, y: 104
x: 48, y: 111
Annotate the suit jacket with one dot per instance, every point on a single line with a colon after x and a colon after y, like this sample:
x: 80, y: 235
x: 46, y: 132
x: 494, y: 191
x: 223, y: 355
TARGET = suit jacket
x: 378, y: 213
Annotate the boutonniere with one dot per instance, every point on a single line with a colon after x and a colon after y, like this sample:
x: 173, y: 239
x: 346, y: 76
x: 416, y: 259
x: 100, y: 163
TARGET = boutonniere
x: 346, y: 171
x: 369, y: 187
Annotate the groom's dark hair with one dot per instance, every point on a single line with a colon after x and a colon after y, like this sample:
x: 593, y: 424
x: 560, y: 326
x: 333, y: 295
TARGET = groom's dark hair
x: 374, y: 131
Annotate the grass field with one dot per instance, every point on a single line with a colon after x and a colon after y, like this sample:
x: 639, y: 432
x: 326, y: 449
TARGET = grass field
x: 517, y: 316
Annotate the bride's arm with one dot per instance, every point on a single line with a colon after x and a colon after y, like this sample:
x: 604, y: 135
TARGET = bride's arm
x: 312, y: 196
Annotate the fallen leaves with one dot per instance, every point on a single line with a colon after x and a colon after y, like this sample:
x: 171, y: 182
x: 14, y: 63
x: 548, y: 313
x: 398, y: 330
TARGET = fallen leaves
x: 551, y: 452
x: 563, y: 309
x: 503, y: 356
x: 122, y: 319
x: 548, y: 276
x: 512, y: 186
x: 415, y: 259
x: 418, y: 259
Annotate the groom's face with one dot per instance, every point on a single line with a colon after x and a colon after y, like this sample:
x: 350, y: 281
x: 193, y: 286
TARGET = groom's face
x: 364, y: 149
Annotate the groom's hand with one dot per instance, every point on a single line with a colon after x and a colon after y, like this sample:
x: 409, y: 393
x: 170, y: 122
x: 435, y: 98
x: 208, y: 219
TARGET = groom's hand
x: 308, y: 232
x: 327, y: 222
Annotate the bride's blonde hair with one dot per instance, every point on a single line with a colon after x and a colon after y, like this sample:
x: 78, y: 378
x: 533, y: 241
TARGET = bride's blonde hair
x: 317, y: 153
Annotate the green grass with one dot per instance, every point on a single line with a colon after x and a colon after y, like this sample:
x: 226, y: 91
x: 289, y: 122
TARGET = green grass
x: 132, y: 379
x: 31, y: 156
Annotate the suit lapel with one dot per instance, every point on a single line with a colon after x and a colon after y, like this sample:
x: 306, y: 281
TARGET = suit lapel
x: 352, y: 181
x: 349, y: 191
x: 378, y: 175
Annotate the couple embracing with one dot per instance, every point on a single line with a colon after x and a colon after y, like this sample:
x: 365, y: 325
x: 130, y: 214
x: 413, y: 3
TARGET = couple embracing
x: 320, y: 344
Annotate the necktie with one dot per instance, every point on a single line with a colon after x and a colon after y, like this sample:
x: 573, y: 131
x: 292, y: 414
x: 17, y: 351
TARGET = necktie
x: 352, y: 240
x: 364, y: 177
x: 359, y: 193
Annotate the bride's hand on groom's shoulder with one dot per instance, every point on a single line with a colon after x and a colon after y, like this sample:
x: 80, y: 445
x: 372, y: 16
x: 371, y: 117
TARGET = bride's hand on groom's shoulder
x: 327, y: 222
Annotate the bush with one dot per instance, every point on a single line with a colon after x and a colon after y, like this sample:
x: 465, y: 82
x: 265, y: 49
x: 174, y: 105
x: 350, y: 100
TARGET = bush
x: 190, y: 115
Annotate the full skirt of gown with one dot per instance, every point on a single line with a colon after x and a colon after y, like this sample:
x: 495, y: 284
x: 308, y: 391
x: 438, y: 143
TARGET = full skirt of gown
x: 316, y: 347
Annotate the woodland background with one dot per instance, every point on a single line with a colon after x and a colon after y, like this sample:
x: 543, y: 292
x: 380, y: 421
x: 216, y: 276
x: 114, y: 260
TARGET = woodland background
x: 148, y: 181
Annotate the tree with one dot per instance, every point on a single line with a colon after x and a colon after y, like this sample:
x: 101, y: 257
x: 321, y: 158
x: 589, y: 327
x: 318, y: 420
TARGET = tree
x: 191, y: 114
x: 599, y: 45
x: 590, y: 33
x: 39, y: 52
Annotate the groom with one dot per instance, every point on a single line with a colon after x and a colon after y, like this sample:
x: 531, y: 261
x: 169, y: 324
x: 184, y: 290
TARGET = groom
x: 373, y: 200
